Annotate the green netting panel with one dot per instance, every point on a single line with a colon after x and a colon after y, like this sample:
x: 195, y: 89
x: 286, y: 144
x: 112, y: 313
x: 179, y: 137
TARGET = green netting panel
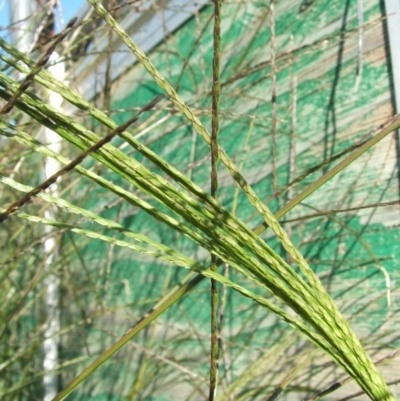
x: 323, y: 106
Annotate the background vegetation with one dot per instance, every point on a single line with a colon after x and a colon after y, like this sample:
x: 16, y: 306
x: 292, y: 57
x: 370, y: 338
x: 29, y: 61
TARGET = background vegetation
x: 268, y: 113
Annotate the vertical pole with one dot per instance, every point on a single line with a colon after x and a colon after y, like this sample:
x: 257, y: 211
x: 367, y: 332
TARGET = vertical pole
x: 21, y: 10
x: 51, y: 166
x: 52, y: 308
x: 392, y: 11
x: 393, y: 25
x: 23, y: 37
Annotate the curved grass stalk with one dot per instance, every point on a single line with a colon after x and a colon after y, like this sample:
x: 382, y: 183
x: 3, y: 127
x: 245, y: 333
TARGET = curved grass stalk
x: 163, y: 252
x: 93, y: 217
x: 206, y: 226
x: 78, y: 101
x: 66, y: 205
x: 25, y: 138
